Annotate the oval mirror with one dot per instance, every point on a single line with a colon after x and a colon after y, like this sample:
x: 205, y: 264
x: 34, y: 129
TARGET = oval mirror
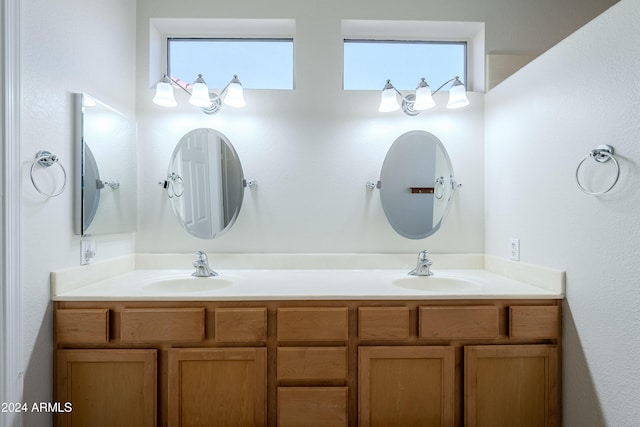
x: 205, y: 183
x: 416, y: 184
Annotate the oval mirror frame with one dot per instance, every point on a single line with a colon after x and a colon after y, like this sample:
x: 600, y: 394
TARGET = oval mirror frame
x: 416, y: 184
x: 206, y: 183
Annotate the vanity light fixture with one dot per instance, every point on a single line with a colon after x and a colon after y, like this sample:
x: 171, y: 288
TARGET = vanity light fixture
x: 200, y: 96
x: 413, y: 104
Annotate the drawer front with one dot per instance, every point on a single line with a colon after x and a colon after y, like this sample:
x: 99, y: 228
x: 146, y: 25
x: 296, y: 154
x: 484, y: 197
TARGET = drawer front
x: 531, y: 322
x: 241, y: 325
x: 459, y: 322
x: 313, y: 324
x: 312, y: 363
x: 312, y: 407
x: 162, y: 324
x: 82, y: 325
x: 383, y: 323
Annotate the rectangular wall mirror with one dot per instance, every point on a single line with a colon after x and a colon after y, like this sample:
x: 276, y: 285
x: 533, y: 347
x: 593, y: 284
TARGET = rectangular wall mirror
x: 105, y: 169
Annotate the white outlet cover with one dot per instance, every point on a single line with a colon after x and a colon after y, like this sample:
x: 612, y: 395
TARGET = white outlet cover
x: 514, y: 249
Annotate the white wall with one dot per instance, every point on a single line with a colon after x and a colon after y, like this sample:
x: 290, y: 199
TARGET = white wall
x: 67, y: 46
x: 312, y: 159
x: 539, y: 124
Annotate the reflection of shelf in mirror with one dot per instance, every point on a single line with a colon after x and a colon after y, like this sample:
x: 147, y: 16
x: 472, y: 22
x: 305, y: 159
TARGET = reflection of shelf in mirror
x: 421, y: 190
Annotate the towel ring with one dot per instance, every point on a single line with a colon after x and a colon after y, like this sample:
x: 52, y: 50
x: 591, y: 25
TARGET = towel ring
x: 45, y: 159
x: 602, y: 154
x: 169, y: 184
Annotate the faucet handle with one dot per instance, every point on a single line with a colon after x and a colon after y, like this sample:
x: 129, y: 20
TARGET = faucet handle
x: 202, y: 257
x: 423, y: 256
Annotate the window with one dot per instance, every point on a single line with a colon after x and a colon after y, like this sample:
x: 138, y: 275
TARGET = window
x: 369, y: 63
x: 259, y: 63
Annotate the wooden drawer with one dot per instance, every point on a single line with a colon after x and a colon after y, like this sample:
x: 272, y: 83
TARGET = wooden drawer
x: 312, y: 406
x: 534, y: 322
x: 313, y: 324
x: 241, y: 325
x: 312, y: 363
x: 459, y: 322
x: 162, y: 324
x: 89, y: 325
x: 383, y: 323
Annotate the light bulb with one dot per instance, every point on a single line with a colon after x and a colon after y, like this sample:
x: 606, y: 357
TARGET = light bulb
x: 235, y: 94
x: 388, y: 100
x: 457, y: 95
x: 164, y: 93
x: 200, y: 93
x: 424, y: 99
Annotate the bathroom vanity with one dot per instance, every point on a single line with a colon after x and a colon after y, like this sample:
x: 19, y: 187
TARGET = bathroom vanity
x: 457, y: 357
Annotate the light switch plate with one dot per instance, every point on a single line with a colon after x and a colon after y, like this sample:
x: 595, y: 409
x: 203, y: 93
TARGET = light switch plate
x: 514, y: 249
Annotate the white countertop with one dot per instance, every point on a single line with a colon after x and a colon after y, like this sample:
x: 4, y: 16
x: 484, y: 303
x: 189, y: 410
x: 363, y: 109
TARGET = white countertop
x: 124, y: 280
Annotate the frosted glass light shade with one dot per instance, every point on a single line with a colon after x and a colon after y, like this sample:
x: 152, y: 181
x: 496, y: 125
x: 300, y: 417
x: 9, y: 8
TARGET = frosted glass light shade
x: 200, y: 93
x: 164, y: 94
x: 424, y: 100
x: 235, y: 94
x: 388, y: 101
x: 457, y: 95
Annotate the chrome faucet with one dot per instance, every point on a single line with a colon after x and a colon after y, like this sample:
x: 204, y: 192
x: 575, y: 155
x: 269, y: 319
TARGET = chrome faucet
x: 202, y: 266
x: 424, y: 264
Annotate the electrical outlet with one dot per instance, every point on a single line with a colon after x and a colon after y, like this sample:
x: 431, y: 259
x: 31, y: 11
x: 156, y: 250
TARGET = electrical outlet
x: 87, y: 250
x: 514, y: 249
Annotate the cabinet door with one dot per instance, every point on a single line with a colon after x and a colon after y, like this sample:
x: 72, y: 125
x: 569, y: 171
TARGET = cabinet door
x: 511, y: 385
x: 217, y: 387
x: 107, y: 387
x: 406, y: 386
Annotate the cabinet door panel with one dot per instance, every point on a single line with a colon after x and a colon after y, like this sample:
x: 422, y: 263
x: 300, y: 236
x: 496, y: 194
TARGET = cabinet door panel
x: 162, y: 324
x: 89, y: 325
x: 473, y: 322
x: 313, y: 324
x: 312, y: 407
x: 406, y: 386
x: 217, y: 387
x: 383, y: 323
x: 107, y: 387
x: 241, y: 325
x: 534, y: 322
x: 312, y: 364
x: 511, y: 385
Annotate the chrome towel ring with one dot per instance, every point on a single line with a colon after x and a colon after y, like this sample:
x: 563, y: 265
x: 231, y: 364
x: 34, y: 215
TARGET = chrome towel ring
x: 45, y: 159
x: 601, y: 154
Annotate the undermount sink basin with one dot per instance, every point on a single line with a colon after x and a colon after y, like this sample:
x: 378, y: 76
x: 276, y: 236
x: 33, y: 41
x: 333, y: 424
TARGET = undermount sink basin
x: 187, y: 284
x: 434, y: 283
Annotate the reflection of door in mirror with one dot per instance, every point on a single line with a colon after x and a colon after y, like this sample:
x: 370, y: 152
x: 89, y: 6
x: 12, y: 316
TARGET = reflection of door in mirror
x: 211, y: 176
x: 194, y: 158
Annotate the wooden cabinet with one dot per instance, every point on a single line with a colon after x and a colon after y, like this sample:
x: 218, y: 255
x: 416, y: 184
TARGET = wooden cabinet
x: 456, y: 363
x: 509, y: 385
x: 107, y: 387
x: 217, y: 386
x: 406, y: 386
